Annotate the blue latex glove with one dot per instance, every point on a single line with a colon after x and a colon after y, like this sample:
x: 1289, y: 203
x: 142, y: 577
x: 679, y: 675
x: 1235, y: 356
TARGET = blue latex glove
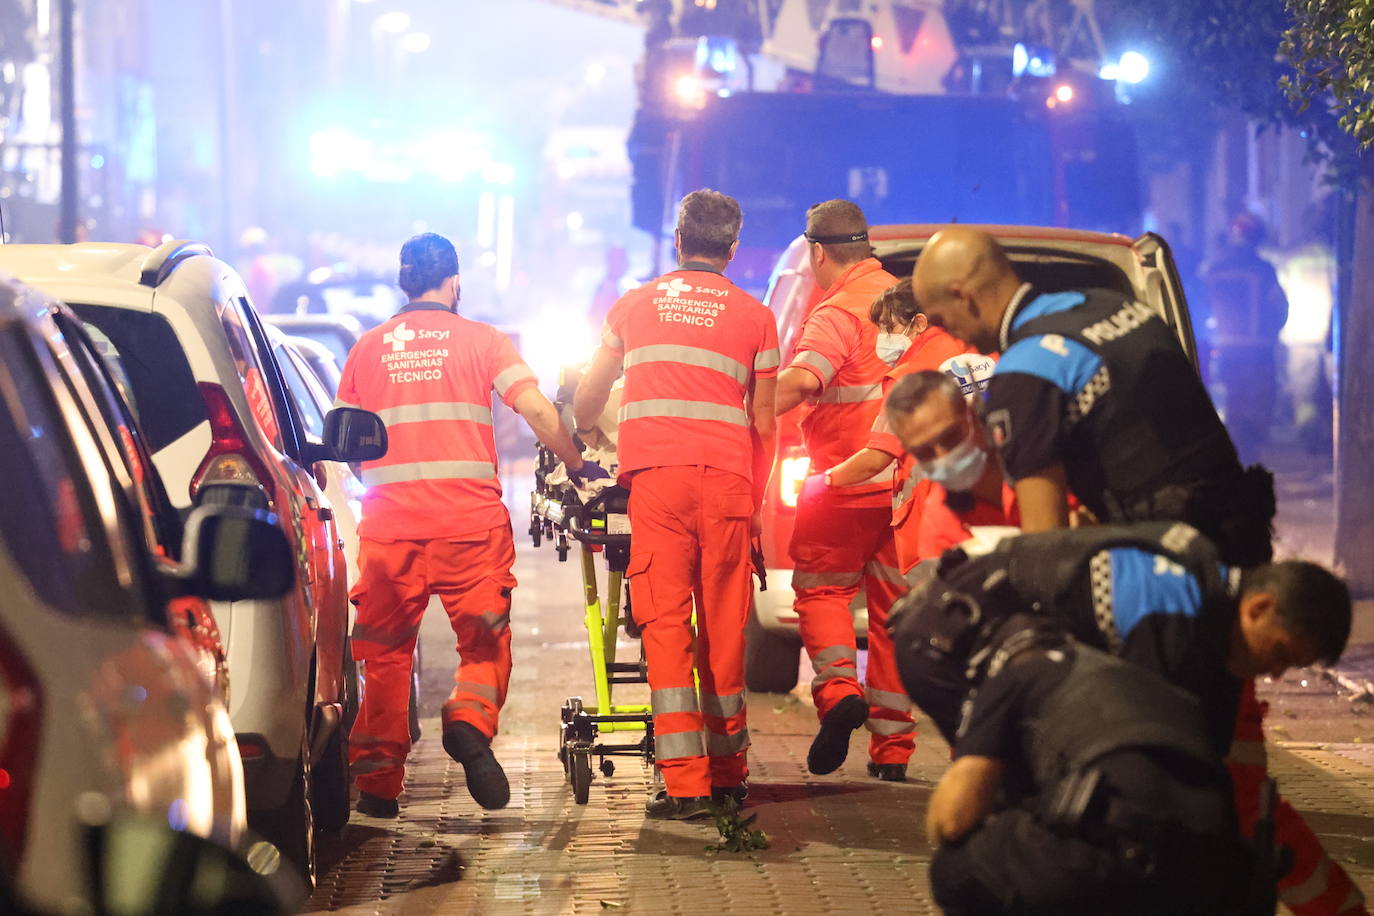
x: 589, y: 471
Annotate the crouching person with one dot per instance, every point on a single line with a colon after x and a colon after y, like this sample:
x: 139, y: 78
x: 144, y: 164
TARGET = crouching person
x: 1084, y: 784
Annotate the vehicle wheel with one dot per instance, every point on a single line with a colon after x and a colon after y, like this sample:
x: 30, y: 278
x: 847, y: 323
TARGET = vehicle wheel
x: 581, y: 776
x: 770, y: 659
x: 415, y: 695
x: 291, y: 828
x: 329, y: 782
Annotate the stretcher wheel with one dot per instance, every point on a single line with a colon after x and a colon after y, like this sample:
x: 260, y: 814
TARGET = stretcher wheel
x: 607, y: 767
x: 580, y: 773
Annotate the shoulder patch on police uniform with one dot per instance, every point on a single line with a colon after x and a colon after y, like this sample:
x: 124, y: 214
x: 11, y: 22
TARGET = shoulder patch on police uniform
x: 999, y: 426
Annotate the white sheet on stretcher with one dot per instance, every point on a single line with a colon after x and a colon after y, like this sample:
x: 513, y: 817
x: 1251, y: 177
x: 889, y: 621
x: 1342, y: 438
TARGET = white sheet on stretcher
x: 600, y: 447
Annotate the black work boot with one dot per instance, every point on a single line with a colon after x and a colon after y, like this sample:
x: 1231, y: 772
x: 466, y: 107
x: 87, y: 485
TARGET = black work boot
x: 376, y: 806
x: 831, y: 743
x: 888, y: 772
x: 486, y: 780
x: 665, y: 807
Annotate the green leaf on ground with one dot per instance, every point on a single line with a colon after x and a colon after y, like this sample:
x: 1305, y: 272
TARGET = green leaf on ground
x: 735, y: 831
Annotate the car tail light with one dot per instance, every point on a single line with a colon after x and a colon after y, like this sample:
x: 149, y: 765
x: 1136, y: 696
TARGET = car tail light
x: 230, y: 460
x: 251, y: 747
x: 791, y: 475
x: 21, y: 715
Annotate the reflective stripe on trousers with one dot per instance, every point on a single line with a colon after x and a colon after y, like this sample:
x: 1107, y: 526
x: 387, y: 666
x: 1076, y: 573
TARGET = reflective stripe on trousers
x: 691, y: 529
x: 473, y: 580
x: 1315, y: 885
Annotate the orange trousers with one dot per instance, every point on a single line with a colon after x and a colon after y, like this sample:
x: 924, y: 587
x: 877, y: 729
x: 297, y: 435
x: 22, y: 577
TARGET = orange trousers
x: 691, y: 549
x: 472, y: 577
x: 1315, y: 885
x: 834, y: 549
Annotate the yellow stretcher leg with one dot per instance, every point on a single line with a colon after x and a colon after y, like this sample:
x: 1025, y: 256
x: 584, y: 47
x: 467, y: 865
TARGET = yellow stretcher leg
x: 603, y: 626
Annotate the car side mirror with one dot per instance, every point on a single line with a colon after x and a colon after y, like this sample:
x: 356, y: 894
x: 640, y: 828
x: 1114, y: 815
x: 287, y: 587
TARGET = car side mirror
x: 351, y: 434
x: 234, y: 553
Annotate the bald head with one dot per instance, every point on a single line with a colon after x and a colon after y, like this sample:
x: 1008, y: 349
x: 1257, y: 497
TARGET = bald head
x: 964, y: 281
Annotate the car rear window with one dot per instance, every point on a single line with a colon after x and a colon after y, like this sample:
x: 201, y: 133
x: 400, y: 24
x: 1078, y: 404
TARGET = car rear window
x: 50, y: 526
x: 1062, y: 271
x: 145, y: 357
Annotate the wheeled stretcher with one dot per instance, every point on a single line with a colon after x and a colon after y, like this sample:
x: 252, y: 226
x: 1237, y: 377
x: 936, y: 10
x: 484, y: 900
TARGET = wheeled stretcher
x: 598, y: 524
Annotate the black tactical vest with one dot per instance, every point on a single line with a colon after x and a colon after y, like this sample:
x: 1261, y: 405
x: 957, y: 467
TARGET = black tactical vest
x: 1145, y: 423
x: 1105, y: 705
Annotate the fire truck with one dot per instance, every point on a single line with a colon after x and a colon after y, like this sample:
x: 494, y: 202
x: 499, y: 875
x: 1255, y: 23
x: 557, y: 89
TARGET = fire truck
x: 992, y: 111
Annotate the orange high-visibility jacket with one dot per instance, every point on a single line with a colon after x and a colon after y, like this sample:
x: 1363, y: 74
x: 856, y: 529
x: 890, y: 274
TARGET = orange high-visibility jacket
x: 692, y: 342
x: 429, y: 374
x: 837, y: 346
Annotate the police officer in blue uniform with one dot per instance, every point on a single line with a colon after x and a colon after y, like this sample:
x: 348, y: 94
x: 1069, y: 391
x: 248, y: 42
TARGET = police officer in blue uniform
x: 1094, y: 395
x: 1153, y: 593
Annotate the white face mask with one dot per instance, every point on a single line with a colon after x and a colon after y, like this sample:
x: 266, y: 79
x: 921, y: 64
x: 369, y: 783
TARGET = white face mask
x: 890, y: 347
x: 959, y: 469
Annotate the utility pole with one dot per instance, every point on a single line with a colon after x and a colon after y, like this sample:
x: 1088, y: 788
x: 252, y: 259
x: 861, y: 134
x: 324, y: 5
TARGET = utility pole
x: 71, y: 190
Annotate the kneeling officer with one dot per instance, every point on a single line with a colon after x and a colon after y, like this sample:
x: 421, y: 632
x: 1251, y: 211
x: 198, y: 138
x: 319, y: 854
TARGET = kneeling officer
x: 1115, y: 800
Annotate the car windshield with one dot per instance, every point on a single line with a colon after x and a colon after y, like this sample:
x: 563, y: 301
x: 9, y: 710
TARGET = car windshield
x: 143, y: 354
x: 49, y: 527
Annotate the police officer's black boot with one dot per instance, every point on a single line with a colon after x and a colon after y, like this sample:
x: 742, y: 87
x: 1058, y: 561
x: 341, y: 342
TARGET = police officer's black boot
x: 831, y: 743
x: 486, y: 780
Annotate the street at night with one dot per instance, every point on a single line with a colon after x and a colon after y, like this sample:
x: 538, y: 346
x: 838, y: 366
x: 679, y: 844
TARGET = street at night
x: 687, y: 456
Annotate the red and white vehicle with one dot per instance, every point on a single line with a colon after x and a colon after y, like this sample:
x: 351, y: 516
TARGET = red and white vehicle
x: 109, y: 701
x: 1051, y: 258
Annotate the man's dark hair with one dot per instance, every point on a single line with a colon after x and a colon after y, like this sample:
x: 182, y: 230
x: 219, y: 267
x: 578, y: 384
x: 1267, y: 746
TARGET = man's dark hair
x: 1312, y: 603
x: 839, y: 219
x: 911, y: 391
x: 895, y: 306
x: 427, y: 260
x: 708, y: 223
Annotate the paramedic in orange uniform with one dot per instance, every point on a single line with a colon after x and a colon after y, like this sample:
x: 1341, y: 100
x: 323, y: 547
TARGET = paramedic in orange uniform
x: 906, y: 343
x: 696, y: 444
x: 433, y: 521
x: 842, y: 536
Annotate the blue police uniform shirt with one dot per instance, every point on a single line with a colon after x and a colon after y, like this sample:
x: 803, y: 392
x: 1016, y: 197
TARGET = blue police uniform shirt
x: 1152, y: 612
x: 1040, y: 377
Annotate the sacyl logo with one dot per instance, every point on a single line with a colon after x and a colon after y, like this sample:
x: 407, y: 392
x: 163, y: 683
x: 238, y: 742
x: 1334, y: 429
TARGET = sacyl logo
x: 398, y: 337
x: 675, y: 287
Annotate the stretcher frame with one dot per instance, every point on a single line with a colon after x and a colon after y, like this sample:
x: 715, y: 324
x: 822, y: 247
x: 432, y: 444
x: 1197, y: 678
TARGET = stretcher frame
x: 600, y: 526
